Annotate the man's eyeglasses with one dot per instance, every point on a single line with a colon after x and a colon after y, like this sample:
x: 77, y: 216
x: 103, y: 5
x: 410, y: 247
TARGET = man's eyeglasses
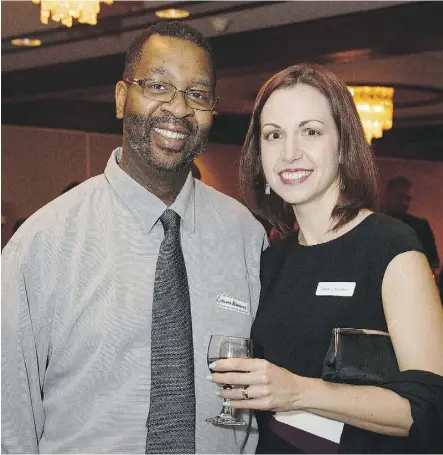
x: 163, y: 92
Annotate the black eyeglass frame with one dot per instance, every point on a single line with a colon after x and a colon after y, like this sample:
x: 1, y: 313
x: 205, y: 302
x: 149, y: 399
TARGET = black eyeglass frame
x: 142, y: 82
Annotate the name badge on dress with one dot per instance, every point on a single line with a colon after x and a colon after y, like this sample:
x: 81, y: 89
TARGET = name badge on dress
x: 337, y: 288
x: 231, y: 303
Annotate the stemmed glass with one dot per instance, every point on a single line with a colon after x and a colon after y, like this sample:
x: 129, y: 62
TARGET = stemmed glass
x: 226, y: 347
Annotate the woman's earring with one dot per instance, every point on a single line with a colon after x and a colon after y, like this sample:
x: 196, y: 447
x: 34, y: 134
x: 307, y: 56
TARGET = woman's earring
x: 267, y: 188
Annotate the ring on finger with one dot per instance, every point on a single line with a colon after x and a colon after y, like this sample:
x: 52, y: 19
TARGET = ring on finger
x: 244, y: 392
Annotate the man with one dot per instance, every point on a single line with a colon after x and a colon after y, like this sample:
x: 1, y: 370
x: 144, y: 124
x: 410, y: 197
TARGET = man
x: 91, y: 294
x: 398, y: 197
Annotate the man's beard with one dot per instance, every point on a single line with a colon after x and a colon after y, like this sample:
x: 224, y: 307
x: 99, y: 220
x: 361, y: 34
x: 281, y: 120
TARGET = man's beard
x: 138, y: 129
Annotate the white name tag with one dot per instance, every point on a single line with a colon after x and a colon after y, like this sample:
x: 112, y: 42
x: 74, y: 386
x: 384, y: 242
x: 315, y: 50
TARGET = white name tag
x: 312, y: 423
x: 230, y: 303
x: 339, y: 288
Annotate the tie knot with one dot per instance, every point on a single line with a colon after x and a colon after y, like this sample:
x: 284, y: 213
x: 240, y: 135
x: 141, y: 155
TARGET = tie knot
x: 170, y: 220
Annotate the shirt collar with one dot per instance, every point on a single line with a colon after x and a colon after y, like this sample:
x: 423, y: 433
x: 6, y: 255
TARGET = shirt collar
x: 143, y: 204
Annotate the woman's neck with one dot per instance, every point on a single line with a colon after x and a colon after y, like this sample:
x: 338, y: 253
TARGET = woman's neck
x: 314, y: 225
x: 315, y: 221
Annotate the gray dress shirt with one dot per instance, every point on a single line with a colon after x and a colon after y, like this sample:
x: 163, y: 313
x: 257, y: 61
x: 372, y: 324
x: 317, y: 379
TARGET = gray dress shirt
x: 77, y: 286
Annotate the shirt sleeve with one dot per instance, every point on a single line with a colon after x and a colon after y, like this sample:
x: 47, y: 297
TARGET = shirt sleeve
x: 22, y: 369
x: 259, y: 249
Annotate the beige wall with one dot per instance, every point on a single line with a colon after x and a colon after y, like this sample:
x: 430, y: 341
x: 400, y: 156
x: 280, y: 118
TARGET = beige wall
x: 37, y: 164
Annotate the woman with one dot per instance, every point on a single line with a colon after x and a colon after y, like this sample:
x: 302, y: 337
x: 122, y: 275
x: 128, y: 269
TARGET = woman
x: 346, y: 266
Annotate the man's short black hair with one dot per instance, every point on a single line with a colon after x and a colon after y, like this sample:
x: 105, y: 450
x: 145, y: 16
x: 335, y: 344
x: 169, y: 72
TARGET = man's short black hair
x: 172, y: 29
x: 398, y: 181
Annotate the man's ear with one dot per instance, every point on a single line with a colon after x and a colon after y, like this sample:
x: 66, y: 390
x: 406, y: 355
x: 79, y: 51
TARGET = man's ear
x: 121, y: 90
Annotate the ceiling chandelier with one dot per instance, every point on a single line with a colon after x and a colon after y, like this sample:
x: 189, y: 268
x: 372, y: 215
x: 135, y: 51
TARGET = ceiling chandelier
x: 85, y: 11
x: 375, y: 108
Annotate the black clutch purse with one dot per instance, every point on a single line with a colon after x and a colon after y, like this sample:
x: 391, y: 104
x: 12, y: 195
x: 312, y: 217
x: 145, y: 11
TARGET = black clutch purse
x: 359, y: 356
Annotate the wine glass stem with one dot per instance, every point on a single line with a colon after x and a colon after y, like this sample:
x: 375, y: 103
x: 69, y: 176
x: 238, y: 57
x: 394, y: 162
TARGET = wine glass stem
x: 227, y: 410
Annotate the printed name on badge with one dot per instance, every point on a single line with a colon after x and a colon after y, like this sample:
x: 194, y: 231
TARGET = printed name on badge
x: 230, y: 303
x: 337, y: 288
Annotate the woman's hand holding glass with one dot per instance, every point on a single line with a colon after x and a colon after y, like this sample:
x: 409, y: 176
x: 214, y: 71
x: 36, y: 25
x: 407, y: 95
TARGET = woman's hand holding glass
x: 259, y: 385
x: 226, y: 347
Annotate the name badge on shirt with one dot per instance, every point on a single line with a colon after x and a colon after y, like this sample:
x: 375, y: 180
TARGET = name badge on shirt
x: 338, y: 288
x: 231, y: 303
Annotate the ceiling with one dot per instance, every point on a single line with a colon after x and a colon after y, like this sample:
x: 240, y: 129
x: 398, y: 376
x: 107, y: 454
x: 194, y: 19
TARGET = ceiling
x: 69, y: 81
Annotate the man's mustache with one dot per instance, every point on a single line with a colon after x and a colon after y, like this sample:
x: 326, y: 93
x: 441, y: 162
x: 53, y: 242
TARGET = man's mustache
x: 154, y: 121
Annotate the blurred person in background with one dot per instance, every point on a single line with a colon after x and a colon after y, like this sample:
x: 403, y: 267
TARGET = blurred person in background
x: 397, y: 201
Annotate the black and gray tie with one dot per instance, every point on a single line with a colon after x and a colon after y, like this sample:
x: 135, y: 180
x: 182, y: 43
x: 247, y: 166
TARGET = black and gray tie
x: 171, y: 420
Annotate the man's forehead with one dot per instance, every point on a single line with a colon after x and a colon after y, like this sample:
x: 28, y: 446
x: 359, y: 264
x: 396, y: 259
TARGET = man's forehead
x: 164, y: 55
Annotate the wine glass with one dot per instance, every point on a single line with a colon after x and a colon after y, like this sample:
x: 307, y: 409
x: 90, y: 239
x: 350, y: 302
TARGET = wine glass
x: 226, y: 347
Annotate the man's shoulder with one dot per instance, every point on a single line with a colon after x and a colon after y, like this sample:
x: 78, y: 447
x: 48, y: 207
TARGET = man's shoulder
x: 227, y: 205
x: 59, y: 211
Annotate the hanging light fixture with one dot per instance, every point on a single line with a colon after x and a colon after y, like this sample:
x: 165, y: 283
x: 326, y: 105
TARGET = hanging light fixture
x: 375, y: 108
x: 85, y: 11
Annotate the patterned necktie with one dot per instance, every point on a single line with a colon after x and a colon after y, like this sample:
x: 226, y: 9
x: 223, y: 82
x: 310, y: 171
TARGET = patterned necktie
x: 171, y: 420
